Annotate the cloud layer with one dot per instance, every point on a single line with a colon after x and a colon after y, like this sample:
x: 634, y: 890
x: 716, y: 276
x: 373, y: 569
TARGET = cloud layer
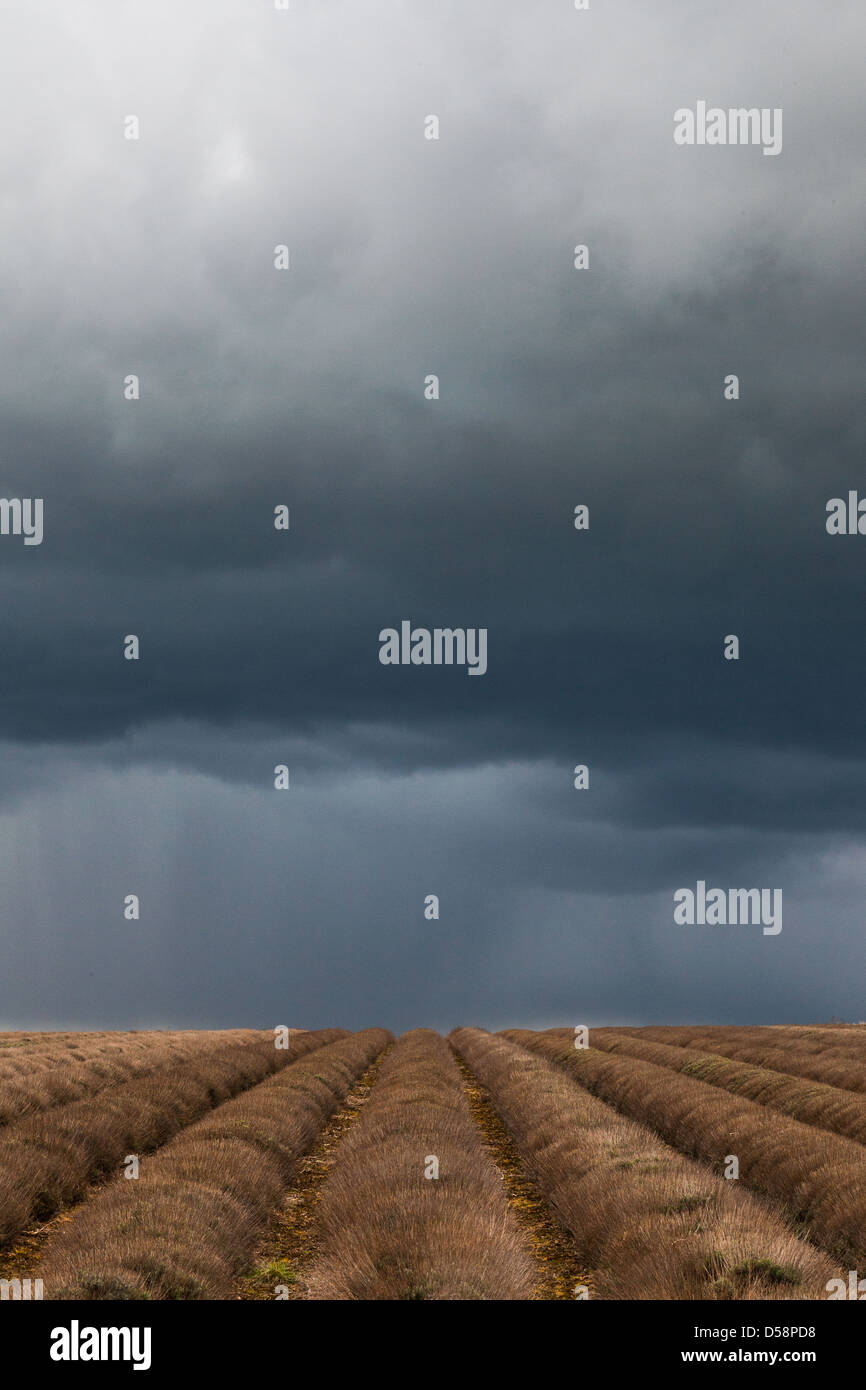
x: 558, y: 387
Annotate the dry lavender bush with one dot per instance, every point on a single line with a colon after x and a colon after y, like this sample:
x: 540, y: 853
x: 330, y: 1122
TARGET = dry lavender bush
x: 49, y: 1159
x: 844, y: 1067
x: 650, y: 1223
x: 37, y: 1079
x: 810, y: 1102
x: 187, y: 1227
x: 389, y: 1232
x: 824, y: 1041
x: 819, y: 1178
x: 18, y: 1038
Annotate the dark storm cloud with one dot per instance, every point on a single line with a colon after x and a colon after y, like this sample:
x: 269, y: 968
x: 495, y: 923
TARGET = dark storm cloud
x: 708, y: 528
x: 257, y: 908
x: 558, y: 387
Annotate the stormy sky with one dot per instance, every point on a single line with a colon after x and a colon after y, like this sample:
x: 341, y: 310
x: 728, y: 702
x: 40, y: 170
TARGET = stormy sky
x: 305, y: 387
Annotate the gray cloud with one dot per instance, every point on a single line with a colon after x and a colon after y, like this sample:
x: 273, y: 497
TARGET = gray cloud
x: 558, y: 387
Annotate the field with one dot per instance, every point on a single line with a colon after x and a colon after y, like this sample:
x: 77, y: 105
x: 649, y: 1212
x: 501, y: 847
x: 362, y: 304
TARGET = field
x: 674, y: 1163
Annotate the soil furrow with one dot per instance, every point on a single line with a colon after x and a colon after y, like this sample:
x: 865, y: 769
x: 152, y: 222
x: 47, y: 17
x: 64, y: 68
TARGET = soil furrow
x: 291, y: 1243
x: 19, y: 1258
x: 560, y: 1270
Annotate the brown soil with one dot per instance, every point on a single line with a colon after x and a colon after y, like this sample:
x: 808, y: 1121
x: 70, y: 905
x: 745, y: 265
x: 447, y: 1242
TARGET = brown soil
x: 19, y: 1258
x: 290, y: 1244
x: 559, y: 1266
